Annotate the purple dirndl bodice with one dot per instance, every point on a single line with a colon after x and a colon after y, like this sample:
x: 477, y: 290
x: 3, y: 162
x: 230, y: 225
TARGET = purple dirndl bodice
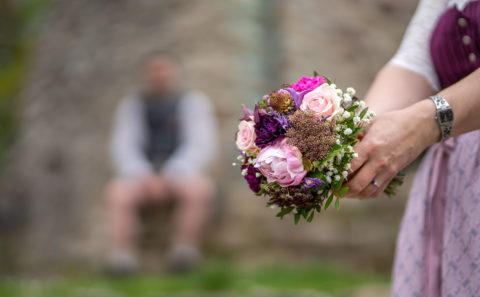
x: 455, y: 44
x: 438, y: 248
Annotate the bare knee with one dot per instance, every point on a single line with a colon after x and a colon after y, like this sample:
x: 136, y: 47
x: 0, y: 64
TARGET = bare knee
x: 200, y: 190
x: 123, y: 193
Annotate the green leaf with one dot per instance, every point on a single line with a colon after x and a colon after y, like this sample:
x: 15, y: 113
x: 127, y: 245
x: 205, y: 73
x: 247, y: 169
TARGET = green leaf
x: 342, y: 191
x: 352, y: 108
x: 304, y: 213
x: 328, y: 80
x: 307, y: 164
x: 337, y: 203
x: 363, y: 113
x: 284, y: 211
x: 297, y: 218
x: 315, y: 73
x: 331, y: 155
x: 310, y: 218
x: 329, y: 201
x: 318, y: 175
x: 357, y: 130
x: 338, y: 185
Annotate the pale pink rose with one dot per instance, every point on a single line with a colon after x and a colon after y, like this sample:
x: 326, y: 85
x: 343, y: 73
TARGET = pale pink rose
x: 322, y: 101
x: 281, y: 163
x: 246, y: 137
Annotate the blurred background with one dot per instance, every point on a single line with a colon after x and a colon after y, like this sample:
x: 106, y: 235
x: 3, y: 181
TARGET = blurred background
x: 64, y: 66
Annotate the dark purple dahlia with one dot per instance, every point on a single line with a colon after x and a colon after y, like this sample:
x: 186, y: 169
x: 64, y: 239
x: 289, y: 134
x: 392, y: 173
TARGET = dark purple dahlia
x: 252, y: 179
x: 269, y: 127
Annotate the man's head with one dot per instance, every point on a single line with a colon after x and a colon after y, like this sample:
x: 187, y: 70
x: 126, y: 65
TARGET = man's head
x: 161, y: 72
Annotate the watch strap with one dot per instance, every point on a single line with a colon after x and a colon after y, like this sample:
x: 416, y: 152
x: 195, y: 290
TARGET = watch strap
x: 444, y: 115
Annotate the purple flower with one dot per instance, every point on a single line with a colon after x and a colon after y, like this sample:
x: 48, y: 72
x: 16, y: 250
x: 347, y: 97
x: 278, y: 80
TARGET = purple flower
x: 297, y: 96
x: 313, y: 183
x: 269, y: 127
x: 247, y: 115
x: 252, y: 179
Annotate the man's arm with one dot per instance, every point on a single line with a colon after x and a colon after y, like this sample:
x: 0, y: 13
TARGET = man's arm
x: 199, y: 141
x: 128, y: 140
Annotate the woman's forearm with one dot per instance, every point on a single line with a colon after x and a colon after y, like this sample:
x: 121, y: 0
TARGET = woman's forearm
x: 395, y: 88
x: 464, y: 98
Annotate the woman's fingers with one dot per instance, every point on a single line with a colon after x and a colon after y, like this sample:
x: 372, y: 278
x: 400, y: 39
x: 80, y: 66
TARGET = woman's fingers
x: 360, y: 180
x: 362, y: 157
x: 382, y: 179
x: 382, y: 188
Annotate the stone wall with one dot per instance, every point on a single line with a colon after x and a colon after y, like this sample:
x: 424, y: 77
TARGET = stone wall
x: 51, y: 207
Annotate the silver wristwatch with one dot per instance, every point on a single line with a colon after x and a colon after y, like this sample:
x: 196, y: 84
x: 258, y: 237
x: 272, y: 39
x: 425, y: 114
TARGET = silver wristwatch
x: 444, y: 115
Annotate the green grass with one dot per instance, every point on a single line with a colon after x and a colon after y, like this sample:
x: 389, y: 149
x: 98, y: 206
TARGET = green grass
x: 215, y: 277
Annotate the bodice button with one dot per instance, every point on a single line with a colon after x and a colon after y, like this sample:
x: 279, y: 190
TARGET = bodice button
x: 466, y: 40
x: 472, y: 57
x: 462, y: 22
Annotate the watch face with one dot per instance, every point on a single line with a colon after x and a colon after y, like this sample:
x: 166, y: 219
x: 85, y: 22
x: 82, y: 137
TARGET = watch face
x: 446, y: 116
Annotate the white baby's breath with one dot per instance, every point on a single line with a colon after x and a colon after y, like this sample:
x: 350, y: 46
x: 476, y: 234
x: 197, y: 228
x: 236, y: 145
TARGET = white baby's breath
x: 244, y: 172
x: 346, y: 115
x: 329, y: 179
x: 351, y: 91
x: 234, y: 164
x: 347, y: 131
x: 258, y: 174
x: 356, y: 119
x: 337, y: 141
x: 344, y: 174
x: 337, y: 177
x: 347, y: 98
x: 333, y: 86
x: 355, y: 155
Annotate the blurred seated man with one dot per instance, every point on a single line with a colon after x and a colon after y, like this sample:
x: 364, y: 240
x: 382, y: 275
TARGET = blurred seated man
x: 163, y: 139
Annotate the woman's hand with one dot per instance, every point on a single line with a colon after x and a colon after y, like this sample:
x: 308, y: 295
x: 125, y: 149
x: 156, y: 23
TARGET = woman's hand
x: 392, y: 141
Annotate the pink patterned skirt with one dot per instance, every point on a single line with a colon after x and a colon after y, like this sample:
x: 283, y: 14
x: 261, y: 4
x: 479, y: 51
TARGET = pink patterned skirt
x: 459, y: 271
x: 438, y: 248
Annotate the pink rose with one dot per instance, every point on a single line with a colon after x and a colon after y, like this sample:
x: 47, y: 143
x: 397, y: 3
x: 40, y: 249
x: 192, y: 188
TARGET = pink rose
x: 281, y: 163
x: 323, y: 102
x: 246, y: 137
x: 308, y: 83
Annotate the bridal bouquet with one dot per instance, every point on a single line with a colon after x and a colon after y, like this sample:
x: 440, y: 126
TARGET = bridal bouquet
x: 297, y: 144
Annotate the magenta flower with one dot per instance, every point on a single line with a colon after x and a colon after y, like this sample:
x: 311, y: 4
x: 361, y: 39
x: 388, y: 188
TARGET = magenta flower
x: 308, y: 83
x: 281, y: 163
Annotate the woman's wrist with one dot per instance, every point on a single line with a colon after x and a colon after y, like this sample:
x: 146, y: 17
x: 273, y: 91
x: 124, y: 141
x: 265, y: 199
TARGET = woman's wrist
x: 423, y: 115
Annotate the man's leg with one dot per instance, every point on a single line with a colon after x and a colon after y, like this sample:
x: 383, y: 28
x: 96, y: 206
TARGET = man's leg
x: 124, y: 198
x: 194, y: 196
